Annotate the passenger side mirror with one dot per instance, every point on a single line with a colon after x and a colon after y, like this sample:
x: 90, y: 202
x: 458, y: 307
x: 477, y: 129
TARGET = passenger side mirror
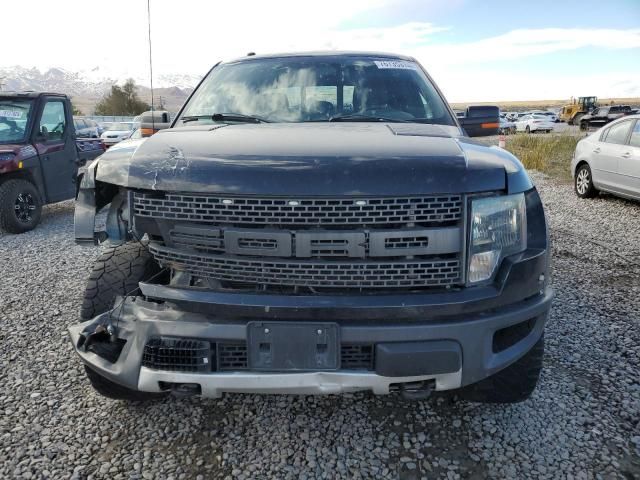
x: 481, y: 121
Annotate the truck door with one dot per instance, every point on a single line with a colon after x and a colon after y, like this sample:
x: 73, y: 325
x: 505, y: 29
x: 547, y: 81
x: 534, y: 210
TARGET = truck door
x: 54, y: 140
x: 629, y: 163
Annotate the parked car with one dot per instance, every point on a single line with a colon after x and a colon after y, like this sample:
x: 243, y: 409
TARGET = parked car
x: 608, y: 160
x: 603, y: 115
x: 86, y: 128
x: 359, y: 242
x: 116, y: 132
x: 552, y: 116
x: 506, y: 127
x: 39, y: 156
x: 534, y: 123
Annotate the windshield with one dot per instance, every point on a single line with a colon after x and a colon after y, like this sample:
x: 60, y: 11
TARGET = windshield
x: 120, y: 126
x: 14, y: 115
x: 312, y: 89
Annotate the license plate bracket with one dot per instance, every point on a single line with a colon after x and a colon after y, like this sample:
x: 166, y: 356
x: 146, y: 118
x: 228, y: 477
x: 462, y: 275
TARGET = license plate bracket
x: 289, y: 346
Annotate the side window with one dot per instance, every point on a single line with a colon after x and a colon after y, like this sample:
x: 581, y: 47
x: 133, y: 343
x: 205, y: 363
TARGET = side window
x: 53, y: 122
x: 635, y: 135
x: 618, y: 133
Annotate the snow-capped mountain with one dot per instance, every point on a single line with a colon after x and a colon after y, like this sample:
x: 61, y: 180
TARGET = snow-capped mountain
x: 89, y: 86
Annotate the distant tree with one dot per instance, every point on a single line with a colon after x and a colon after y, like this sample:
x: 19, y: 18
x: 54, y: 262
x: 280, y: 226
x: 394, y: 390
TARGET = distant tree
x: 75, y: 111
x: 122, y: 101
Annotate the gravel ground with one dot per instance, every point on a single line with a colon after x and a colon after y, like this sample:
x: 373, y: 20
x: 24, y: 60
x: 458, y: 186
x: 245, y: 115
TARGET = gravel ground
x: 582, y: 422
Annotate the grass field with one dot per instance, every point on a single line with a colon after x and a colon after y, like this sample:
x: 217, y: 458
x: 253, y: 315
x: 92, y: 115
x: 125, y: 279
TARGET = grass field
x: 550, y: 154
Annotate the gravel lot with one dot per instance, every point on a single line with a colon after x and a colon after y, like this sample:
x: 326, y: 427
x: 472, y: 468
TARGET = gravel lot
x: 582, y: 422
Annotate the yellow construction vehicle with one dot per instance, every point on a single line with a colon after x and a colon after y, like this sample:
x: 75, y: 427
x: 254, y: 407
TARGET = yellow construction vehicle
x: 573, y: 112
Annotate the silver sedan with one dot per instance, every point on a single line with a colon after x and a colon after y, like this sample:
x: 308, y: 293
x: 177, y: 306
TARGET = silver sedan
x: 608, y: 160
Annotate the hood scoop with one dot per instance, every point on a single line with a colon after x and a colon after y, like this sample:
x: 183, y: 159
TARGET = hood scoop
x: 417, y: 130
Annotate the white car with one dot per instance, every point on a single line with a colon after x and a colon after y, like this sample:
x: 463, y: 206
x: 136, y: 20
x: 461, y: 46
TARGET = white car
x: 117, y: 132
x: 534, y: 123
x: 609, y: 160
x: 506, y: 127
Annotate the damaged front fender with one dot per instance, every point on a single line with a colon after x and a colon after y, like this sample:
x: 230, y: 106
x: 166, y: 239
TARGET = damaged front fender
x: 94, y: 195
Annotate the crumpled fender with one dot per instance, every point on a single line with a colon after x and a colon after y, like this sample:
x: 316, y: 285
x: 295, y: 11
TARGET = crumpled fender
x: 85, y: 212
x: 94, y: 195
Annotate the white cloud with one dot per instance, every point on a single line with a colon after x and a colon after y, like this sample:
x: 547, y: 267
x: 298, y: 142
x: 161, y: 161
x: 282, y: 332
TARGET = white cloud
x: 191, y: 35
x: 518, y: 44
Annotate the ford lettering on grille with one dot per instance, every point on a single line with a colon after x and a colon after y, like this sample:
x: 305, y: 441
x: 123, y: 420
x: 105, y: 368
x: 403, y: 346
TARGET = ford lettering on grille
x: 319, y: 243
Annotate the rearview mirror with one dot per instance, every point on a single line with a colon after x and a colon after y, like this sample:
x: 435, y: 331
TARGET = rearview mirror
x: 481, y: 120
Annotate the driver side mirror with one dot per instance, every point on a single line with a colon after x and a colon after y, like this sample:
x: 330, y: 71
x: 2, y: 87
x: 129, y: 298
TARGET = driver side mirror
x: 481, y: 121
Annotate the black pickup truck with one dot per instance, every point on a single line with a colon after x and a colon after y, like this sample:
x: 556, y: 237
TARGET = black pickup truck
x: 314, y: 223
x: 39, y: 156
x: 603, y: 115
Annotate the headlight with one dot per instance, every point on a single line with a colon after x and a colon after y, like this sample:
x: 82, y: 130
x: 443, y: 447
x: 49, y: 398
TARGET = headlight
x: 498, y: 229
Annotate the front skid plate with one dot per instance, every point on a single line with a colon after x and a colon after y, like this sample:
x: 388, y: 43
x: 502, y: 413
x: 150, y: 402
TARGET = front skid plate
x: 213, y: 385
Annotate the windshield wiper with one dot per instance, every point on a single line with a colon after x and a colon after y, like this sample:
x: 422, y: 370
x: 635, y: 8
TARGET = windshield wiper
x: 355, y: 117
x: 221, y: 117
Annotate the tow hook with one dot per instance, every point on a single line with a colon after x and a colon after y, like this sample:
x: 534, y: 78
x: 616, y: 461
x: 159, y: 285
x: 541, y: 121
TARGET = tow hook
x: 417, y: 390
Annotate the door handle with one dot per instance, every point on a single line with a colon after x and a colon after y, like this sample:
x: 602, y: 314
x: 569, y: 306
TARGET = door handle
x: 626, y: 155
x: 596, y: 150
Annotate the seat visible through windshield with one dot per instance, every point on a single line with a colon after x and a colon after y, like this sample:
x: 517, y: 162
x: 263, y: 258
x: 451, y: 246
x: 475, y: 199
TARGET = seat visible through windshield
x: 308, y: 89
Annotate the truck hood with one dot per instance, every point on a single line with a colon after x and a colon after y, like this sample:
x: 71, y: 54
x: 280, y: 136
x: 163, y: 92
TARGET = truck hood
x: 323, y: 159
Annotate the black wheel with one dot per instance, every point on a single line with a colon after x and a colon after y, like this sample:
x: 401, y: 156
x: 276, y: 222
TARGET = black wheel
x: 514, y: 384
x: 20, y: 206
x: 583, y: 182
x: 109, y: 389
x: 116, y: 272
x: 576, y: 120
x: 528, y: 130
x: 584, y: 126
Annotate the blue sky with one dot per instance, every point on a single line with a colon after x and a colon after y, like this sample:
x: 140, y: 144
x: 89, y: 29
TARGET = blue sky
x: 476, y: 50
x: 476, y: 19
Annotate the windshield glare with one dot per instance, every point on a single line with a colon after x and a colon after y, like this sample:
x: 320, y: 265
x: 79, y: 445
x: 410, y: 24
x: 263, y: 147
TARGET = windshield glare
x: 308, y: 89
x: 14, y: 115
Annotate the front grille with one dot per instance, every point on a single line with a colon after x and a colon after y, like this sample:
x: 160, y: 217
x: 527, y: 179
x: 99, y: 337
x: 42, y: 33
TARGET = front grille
x: 255, y: 211
x: 232, y: 356
x: 177, y: 354
x: 356, y: 357
x: 327, y: 274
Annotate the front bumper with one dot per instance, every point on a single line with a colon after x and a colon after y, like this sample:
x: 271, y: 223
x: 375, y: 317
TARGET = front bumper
x: 469, y: 340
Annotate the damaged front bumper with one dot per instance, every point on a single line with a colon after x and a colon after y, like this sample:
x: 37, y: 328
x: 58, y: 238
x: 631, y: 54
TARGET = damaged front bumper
x: 448, y: 353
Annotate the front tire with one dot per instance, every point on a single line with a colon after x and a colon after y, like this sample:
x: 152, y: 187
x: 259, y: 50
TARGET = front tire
x: 117, y: 272
x: 514, y: 384
x: 583, y: 182
x: 576, y: 120
x: 20, y: 206
x: 527, y: 130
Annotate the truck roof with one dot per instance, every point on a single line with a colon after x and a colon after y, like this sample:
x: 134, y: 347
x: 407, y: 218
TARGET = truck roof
x: 325, y: 53
x: 30, y: 94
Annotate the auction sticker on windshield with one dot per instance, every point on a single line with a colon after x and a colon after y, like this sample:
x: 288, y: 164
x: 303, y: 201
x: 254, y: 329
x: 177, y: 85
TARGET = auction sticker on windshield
x: 11, y: 113
x: 401, y: 64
